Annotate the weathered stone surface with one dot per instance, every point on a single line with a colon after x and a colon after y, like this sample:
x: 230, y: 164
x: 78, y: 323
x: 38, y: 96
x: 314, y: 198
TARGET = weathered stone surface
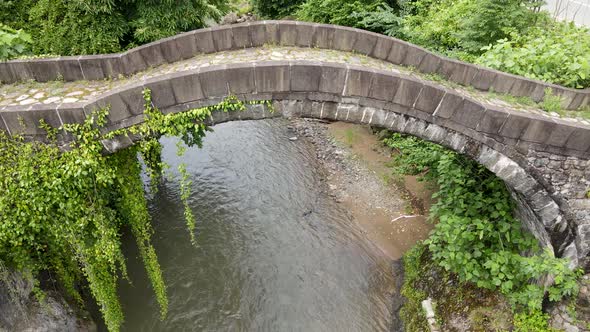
x: 365, y: 42
x: 222, y: 38
x: 92, y: 67
x: 305, y: 32
x: 469, y: 115
x: 407, y: 92
x: 382, y: 48
x: 151, y: 54
x: 414, y: 55
x: 538, y: 130
x: 241, y: 35
x: 358, y: 82
x: 132, y: 62
x: 273, y: 77
x: 241, y: 79
x: 213, y: 81
x: 430, y: 98
x: 305, y: 77
x: 323, y: 36
x: 70, y: 69
x: 344, y: 39
x: 204, y: 41
x: 383, y: 86
x: 187, y: 87
x: 44, y: 70
x: 430, y: 63
x: 492, y: 121
x: 333, y: 79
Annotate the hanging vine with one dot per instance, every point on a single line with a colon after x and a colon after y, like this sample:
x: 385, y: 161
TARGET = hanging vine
x: 64, y: 211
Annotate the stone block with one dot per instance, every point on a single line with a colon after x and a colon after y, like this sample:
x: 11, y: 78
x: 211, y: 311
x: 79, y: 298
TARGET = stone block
x: 323, y: 36
x: 333, y: 78
x: 305, y: 33
x: 365, y: 42
x: 70, y: 69
x: 171, y: 50
x: 114, y: 103
x: 132, y: 96
x: 407, y: 92
x: 523, y: 87
x: 214, y: 81
x: 112, y: 65
x: 6, y: 75
x: 414, y: 56
x: 382, y: 48
x: 132, y: 62
x: 579, y: 140
x: 257, y: 33
x: 503, y: 82
x: 577, y: 100
x: 538, y: 130
x: 305, y: 76
x: 484, y: 79
x: 358, y: 82
x: 222, y: 38
x: 241, y: 36
x: 92, y: 67
x: 430, y: 63
x: 187, y: 86
x: 398, y: 51
x: 71, y: 113
x: 162, y: 93
x: 21, y: 71
x: 272, y: 32
x: 344, y: 39
x: 384, y: 85
x: 185, y: 46
x: 516, y: 124
x: 2, y: 125
x: 204, y: 41
x: 470, y: 114
x: 26, y: 122
x: 449, y: 104
x: 288, y: 34
x: 44, y: 70
x: 560, y: 134
x: 241, y: 78
x: 329, y: 110
x: 151, y: 54
x: 492, y: 121
x: 429, y: 98
x: 273, y: 76
x: 458, y: 72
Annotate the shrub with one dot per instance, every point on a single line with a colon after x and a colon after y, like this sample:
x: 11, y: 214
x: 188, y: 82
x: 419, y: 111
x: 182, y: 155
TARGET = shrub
x: 276, y: 8
x: 558, y: 53
x: 336, y: 11
x: 477, y: 236
x: 13, y: 42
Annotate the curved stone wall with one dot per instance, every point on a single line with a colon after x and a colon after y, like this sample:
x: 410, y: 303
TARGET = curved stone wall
x: 288, y: 33
x: 509, y: 143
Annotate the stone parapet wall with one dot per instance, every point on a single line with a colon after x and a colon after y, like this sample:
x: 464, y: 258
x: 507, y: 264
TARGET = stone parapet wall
x: 287, y: 33
x: 532, y: 153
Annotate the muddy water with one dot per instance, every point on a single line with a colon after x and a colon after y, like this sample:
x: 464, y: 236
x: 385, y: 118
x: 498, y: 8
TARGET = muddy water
x: 275, y: 251
x: 392, y: 211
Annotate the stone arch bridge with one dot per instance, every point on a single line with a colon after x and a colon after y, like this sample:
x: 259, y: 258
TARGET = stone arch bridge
x: 337, y: 73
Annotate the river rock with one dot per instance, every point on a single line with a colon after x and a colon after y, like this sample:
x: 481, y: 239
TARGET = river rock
x: 21, y: 311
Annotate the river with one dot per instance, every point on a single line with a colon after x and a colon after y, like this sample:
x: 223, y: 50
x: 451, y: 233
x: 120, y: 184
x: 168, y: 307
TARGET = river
x: 274, y: 251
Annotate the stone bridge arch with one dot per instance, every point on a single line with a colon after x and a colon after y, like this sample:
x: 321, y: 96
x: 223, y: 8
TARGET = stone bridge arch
x: 545, y: 161
x: 503, y: 141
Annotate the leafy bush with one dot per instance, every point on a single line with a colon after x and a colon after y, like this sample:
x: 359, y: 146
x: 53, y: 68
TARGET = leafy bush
x: 13, y: 42
x: 336, y: 11
x: 534, y: 321
x: 476, y: 236
x: 67, y: 27
x: 384, y: 19
x: 276, y: 8
x: 558, y: 53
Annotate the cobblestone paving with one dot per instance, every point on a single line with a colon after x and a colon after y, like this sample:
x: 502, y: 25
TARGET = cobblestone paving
x: 58, y: 92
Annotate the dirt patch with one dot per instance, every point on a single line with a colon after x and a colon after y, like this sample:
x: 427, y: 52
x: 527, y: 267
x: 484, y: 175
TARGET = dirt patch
x: 393, y: 216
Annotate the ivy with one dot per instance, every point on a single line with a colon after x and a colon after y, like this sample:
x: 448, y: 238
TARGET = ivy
x: 476, y: 236
x: 64, y: 211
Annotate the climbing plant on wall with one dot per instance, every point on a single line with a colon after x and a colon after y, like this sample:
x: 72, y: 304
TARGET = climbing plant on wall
x: 64, y: 211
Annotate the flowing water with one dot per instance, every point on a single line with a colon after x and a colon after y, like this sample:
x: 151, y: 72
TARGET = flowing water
x: 274, y: 252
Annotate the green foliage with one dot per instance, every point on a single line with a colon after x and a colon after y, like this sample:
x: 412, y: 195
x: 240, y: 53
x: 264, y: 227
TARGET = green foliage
x: 551, y: 102
x: 346, y: 13
x: 13, y: 43
x: 276, y: 9
x: 64, y: 211
x: 534, y: 321
x: 88, y: 27
x: 383, y: 19
x: 557, y: 53
x: 412, y: 313
x: 476, y: 236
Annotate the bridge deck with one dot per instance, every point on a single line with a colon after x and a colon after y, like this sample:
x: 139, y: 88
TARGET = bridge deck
x: 28, y: 93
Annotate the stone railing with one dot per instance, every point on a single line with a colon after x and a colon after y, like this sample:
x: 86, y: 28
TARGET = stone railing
x: 287, y: 33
